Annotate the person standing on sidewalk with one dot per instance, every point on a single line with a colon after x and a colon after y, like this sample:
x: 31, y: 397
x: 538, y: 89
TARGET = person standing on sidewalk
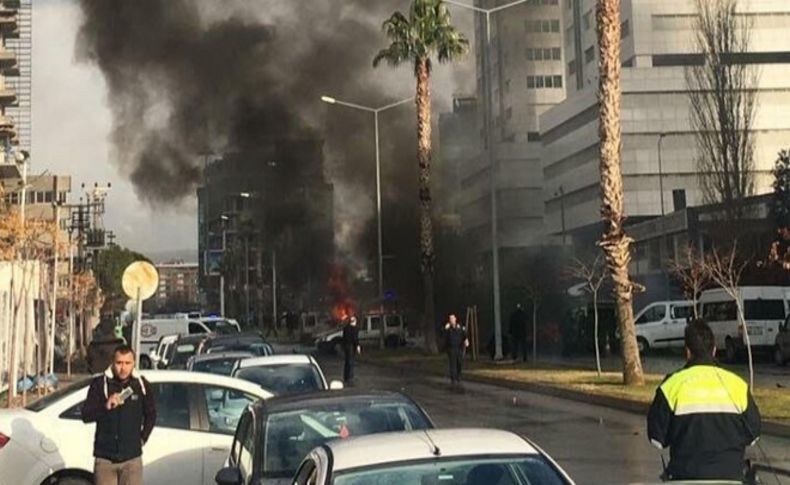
x: 351, y: 349
x: 704, y: 414
x: 455, y: 343
x: 122, y: 404
x: 518, y: 332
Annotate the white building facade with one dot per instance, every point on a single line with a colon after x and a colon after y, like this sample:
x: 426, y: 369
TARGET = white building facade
x: 658, y: 41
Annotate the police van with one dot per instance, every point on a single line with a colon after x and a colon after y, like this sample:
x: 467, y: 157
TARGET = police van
x: 765, y: 309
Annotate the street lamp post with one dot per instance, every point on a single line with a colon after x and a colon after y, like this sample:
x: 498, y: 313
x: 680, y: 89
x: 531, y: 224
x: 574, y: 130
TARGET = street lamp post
x: 375, y: 111
x: 489, y: 145
x: 224, y: 220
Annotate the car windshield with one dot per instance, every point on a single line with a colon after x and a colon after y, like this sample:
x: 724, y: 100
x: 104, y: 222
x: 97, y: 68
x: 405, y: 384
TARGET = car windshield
x: 221, y: 366
x: 510, y: 470
x: 56, y: 396
x: 289, y: 436
x: 182, y: 353
x: 222, y: 327
x: 284, y: 378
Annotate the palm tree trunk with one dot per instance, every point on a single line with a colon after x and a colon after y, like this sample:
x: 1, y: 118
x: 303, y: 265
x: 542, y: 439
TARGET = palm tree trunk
x: 423, y: 101
x: 615, y: 242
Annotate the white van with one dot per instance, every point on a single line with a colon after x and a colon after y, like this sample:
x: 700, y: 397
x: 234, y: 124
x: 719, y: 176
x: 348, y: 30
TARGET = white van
x: 764, y: 308
x: 154, y: 328
x: 662, y: 324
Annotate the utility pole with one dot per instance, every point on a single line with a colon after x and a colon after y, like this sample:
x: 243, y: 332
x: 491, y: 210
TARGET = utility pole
x: 274, y: 290
x: 54, y: 306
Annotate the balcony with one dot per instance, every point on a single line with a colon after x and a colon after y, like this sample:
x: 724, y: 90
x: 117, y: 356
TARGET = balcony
x: 9, y: 27
x: 7, y: 59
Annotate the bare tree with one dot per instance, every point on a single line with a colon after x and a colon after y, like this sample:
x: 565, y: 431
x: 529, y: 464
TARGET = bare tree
x: 592, y: 275
x: 725, y: 269
x: 534, y: 294
x: 690, y: 270
x: 723, y: 104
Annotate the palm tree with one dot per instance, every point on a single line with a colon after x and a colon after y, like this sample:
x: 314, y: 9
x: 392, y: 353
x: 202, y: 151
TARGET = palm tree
x: 615, y: 242
x: 426, y: 33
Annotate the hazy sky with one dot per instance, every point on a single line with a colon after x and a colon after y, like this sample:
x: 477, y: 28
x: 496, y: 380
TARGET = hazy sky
x: 71, y: 124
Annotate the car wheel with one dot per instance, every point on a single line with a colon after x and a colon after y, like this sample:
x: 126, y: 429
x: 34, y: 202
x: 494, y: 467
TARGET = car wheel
x: 642, y: 345
x: 145, y: 362
x: 779, y: 356
x: 730, y: 351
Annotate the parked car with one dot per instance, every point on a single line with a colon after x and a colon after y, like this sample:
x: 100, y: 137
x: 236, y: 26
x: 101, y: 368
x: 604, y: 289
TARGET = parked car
x: 765, y: 309
x: 182, y: 349
x: 285, y: 374
x: 274, y: 436
x: 152, y: 329
x: 197, y: 415
x: 221, y: 325
x: 370, y: 329
x: 158, y: 356
x: 220, y: 363
x: 782, y: 344
x: 436, y: 456
x: 662, y: 324
x: 251, y: 342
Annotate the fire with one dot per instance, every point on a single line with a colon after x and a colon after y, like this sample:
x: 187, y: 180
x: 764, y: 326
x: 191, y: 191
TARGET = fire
x: 343, y: 306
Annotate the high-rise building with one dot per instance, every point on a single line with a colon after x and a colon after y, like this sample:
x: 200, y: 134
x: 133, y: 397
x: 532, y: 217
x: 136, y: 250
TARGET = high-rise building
x: 657, y: 45
x: 527, y: 78
x: 21, y: 44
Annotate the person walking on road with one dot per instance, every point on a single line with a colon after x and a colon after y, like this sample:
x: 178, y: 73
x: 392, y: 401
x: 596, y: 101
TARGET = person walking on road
x: 122, y: 404
x: 351, y: 349
x: 704, y: 414
x: 455, y: 343
x: 518, y: 332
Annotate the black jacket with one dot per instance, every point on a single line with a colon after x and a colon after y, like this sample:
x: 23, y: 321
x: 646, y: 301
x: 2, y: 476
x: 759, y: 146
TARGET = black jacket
x: 350, y: 337
x: 454, y: 338
x: 120, y: 432
x: 707, y: 417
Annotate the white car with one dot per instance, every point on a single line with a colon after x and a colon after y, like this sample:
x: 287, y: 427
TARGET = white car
x: 434, y: 456
x: 662, y: 324
x: 284, y: 374
x: 197, y: 415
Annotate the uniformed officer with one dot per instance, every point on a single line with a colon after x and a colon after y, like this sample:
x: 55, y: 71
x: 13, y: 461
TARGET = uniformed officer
x: 455, y: 342
x: 705, y: 415
x: 351, y: 349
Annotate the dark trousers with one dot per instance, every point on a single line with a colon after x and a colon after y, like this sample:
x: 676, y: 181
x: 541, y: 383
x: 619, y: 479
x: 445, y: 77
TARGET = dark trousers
x: 348, y: 365
x: 520, y: 346
x: 455, y: 361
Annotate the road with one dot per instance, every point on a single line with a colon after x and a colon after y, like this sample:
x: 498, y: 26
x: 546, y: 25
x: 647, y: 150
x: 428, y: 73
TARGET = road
x: 596, y: 445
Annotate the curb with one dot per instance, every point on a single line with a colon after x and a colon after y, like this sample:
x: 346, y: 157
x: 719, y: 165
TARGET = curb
x: 771, y: 428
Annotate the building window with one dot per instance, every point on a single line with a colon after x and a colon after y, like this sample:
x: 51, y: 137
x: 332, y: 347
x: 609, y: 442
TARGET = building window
x: 587, y: 20
x: 530, y: 82
x: 538, y: 54
x: 48, y: 195
x: 555, y: 26
x: 556, y: 53
x: 625, y: 29
x: 548, y: 81
x: 539, y: 82
x: 557, y: 81
x: 589, y: 54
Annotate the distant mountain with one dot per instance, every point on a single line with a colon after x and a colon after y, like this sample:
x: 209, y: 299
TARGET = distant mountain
x: 185, y: 255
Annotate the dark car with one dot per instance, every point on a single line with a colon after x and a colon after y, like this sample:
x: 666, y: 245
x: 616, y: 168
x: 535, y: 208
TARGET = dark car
x: 185, y: 347
x: 241, y: 342
x: 274, y: 435
x: 220, y: 363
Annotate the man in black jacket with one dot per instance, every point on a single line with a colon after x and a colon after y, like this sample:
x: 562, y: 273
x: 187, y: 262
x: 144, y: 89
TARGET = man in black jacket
x: 455, y: 343
x: 123, y: 406
x: 705, y: 415
x: 351, y: 348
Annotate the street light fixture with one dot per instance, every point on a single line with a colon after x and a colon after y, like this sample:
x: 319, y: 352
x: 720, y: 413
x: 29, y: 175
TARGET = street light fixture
x: 375, y: 111
x: 489, y: 145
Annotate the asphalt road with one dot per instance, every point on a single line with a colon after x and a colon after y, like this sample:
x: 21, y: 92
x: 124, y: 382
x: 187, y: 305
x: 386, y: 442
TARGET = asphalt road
x: 595, y: 445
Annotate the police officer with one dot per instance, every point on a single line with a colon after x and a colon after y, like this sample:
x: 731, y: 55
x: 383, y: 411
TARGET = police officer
x: 705, y: 415
x: 351, y: 348
x: 455, y: 343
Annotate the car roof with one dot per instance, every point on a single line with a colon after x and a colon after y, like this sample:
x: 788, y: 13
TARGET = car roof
x: 194, y: 338
x: 418, y: 445
x: 327, y: 397
x: 154, y: 376
x: 275, y: 360
x: 233, y: 337
x: 220, y: 356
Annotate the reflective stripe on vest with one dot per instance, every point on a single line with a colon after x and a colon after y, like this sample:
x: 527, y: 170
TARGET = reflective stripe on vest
x: 705, y: 389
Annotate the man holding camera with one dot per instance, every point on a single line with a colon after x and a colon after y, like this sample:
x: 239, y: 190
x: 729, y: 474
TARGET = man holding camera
x: 122, y: 404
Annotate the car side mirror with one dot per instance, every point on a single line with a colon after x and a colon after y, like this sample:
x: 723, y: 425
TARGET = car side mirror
x: 228, y: 476
x: 335, y: 385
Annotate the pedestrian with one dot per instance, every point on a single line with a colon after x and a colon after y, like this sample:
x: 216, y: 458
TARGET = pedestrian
x: 518, y: 332
x: 351, y: 349
x: 704, y: 414
x: 455, y: 342
x: 122, y: 404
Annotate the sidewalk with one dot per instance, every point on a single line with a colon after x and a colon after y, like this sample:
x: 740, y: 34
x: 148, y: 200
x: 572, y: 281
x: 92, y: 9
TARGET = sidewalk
x: 574, y: 383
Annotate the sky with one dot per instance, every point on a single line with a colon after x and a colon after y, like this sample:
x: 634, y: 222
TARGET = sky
x: 71, y: 127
